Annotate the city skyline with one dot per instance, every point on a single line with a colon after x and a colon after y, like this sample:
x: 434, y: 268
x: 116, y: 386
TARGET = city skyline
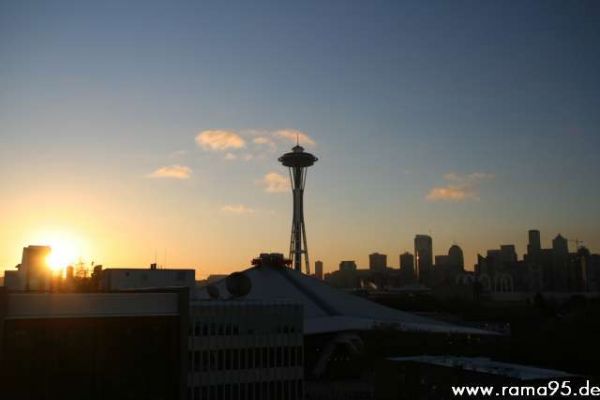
x: 131, y: 134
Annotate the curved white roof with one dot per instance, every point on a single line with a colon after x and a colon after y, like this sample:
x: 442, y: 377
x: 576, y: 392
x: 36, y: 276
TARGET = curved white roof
x: 327, y: 309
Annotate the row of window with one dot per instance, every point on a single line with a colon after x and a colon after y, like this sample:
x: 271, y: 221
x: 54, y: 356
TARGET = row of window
x: 245, y: 358
x: 213, y: 329
x: 274, y: 390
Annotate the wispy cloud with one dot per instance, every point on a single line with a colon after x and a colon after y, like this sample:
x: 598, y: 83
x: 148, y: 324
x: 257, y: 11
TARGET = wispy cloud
x: 459, y: 187
x: 293, y: 134
x: 220, y: 140
x: 274, y: 182
x: 237, y: 209
x: 172, y: 171
x: 265, y: 141
x: 258, y: 144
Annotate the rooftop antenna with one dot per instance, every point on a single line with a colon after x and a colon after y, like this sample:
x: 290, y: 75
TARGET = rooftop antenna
x: 297, y: 138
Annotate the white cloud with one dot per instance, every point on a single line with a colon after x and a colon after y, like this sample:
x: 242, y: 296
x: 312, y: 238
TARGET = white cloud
x: 258, y: 144
x: 265, y: 141
x: 274, y: 182
x: 293, y: 134
x: 172, y: 171
x: 459, y: 187
x: 237, y: 209
x: 220, y: 140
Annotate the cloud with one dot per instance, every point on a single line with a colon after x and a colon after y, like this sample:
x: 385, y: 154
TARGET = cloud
x: 293, y: 134
x: 257, y: 144
x: 266, y: 141
x: 237, y: 209
x: 274, y: 182
x: 220, y: 140
x: 459, y: 187
x: 172, y: 171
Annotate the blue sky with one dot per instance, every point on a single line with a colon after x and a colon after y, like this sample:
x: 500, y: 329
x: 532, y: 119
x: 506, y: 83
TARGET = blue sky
x: 472, y: 120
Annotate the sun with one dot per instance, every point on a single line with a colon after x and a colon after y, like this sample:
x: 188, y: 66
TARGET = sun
x: 67, y: 249
x: 62, y: 255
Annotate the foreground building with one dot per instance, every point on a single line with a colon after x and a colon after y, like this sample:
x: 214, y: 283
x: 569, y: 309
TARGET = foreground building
x: 93, y: 345
x: 244, y: 349
x: 338, y: 326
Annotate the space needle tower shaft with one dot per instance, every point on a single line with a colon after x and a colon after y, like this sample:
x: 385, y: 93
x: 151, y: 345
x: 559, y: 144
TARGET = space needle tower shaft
x: 298, y: 162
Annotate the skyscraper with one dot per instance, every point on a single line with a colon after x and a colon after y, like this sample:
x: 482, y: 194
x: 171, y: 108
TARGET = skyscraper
x: 423, y: 257
x: 560, y: 246
x: 377, y: 262
x: 407, y: 267
x: 535, y: 244
x: 319, y: 270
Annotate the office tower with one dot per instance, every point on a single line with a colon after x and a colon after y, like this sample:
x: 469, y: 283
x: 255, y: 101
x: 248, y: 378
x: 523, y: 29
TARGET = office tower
x: 456, y: 258
x: 377, y: 262
x: 535, y: 244
x: 319, y: 269
x: 407, y: 266
x: 423, y: 257
x: 298, y: 162
x: 560, y: 245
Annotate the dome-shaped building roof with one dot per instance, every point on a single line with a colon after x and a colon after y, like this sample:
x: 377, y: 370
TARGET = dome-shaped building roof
x: 455, y: 256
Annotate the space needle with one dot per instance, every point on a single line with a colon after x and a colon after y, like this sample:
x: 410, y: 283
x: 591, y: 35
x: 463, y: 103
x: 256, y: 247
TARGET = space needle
x: 298, y: 162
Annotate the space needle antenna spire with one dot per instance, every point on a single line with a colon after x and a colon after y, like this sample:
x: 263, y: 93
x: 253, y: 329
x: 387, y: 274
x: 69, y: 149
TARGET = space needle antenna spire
x: 298, y: 162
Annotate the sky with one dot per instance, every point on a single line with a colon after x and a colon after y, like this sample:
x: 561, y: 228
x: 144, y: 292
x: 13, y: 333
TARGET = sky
x: 134, y: 132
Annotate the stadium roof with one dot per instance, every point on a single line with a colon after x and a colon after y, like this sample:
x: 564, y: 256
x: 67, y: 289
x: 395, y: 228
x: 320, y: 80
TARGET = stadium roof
x: 327, y: 309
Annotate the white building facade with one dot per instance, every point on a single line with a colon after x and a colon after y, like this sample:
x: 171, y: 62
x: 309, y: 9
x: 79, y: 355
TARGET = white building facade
x: 245, y: 350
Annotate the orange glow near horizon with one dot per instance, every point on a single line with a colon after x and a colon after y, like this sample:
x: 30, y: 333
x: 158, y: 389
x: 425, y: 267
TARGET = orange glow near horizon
x: 66, y: 249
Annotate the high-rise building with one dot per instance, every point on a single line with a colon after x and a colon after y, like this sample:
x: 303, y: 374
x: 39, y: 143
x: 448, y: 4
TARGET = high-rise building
x: 560, y: 245
x: 535, y: 244
x: 455, y: 258
x: 423, y: 257
x: 377, y: 262
x: 407, y: 267
x: 319, y: 270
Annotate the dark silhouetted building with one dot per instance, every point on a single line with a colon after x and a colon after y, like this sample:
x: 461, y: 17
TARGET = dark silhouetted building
x: 407, y: 267
x: 347, y: 266
x: 424, y: 258
x: 93, y: 345
x: 377, y: 262
x: 535, y: 243
x: 319, y: 269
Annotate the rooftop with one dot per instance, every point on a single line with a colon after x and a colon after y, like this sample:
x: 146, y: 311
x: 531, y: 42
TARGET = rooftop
x: 327, y: 309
